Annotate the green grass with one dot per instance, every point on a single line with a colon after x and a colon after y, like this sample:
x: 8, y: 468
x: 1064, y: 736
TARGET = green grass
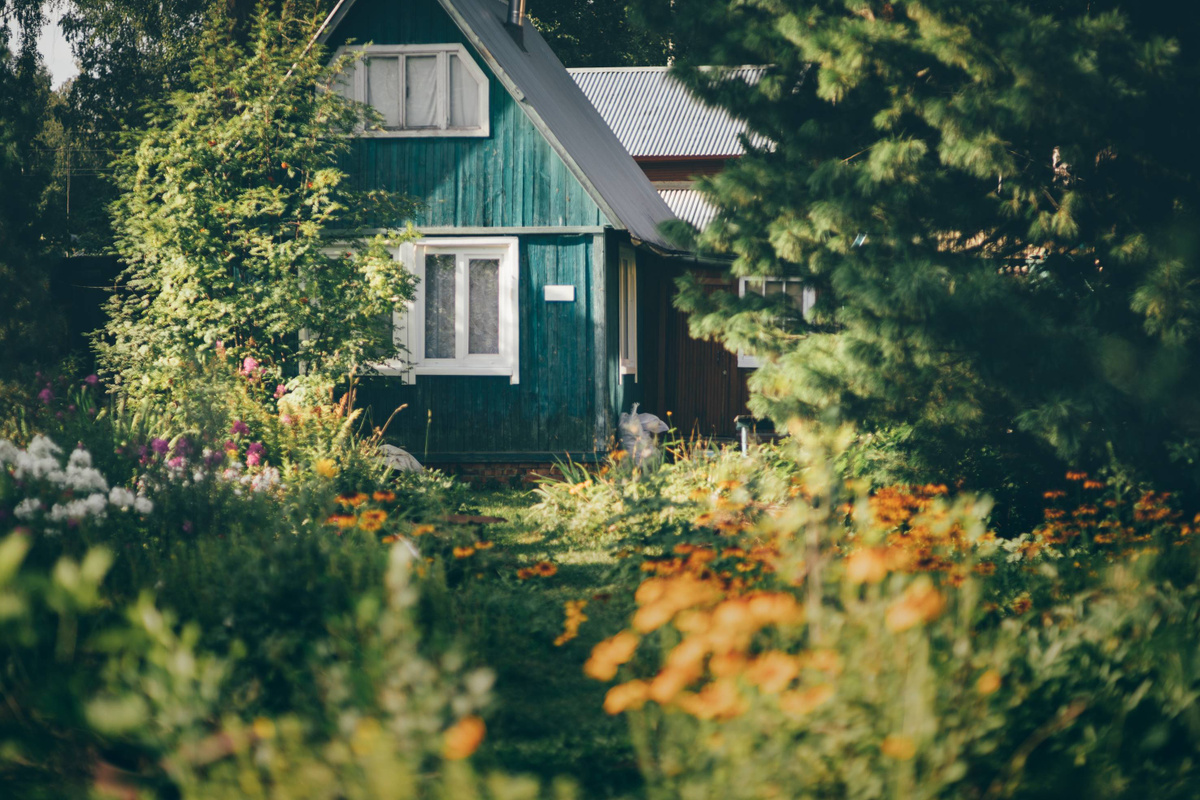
x: 548, y: 719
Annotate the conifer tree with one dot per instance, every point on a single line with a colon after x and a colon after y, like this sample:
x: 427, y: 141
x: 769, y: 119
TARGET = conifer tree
x: 997, y: 201
x: 239, y: 227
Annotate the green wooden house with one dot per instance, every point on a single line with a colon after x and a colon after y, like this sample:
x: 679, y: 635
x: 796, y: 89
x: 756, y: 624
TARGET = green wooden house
x: 538, y: 227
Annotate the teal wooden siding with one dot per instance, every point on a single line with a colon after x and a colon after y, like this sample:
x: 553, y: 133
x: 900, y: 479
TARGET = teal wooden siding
x: 510, y: 178
x: 554, y: 407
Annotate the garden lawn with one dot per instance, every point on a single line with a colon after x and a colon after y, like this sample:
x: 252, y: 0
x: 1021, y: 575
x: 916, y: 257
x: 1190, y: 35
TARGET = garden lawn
x: 548, y: 718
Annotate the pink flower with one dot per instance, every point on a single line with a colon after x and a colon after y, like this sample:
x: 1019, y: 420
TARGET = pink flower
x: 285, y: 419
x: 176, y: 462
x: 159, y: 446
x: 239, y: 428
x: 46, y: 395
x: 280, y: 391
x: 92, y: 380
x: 249, y: 366
x: 254, y: 454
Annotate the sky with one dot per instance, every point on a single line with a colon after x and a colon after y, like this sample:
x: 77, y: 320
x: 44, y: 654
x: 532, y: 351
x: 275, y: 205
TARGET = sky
x: 56, y: 53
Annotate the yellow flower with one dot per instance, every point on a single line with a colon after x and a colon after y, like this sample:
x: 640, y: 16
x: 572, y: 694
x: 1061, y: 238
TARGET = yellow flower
x: 464, y: 552
x: 544, y: 568
x: 484, y: 545
x: 325, y: 467
x: 421, y: 530
x: 352, y: 500
x: 717, y: 700
x: 463, y: 738
x: 988, y: 682
x: 263, y: 728
x: 343, y: 521
x: 899, y: 747
x: 384, y: 497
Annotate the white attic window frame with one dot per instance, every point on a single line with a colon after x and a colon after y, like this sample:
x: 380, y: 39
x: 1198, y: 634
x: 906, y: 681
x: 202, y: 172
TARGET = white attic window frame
x: 627, y: 316
x: 408, y: 331
x: 808, y: 298
x: 360, y: 91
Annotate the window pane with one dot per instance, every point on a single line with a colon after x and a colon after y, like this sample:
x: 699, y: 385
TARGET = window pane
x: 343, y: 82
x: 464, y: 96
x: 439, y: 305
x: 383, y: 89
x: 420, y: 92
x: 484, y: 303
x: 774, y: 287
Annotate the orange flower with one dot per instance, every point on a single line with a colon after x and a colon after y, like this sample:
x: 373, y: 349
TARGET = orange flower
x: 921, y: 602
x: 625, y: 696
x: 372, y: 519
x: 670, y: 682
x: 545, y: 568
x: 342, y: 520
x: 718, y: 700
x: 421, y: 530
x: 1022, y: 604
x: 988, y: 682
x: 383, y: 497
x: 899, y: 747
x: 390, y: 538
x: 484, y: 545
x: 464, y: 552
x: 352, y: 500
x: 610, y: 654
x: 805, y: 701
x: 773, y: 671
x: 867, y: 566
x: 463, y: 738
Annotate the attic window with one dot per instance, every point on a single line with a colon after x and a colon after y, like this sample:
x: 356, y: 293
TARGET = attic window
x: 420, y: 90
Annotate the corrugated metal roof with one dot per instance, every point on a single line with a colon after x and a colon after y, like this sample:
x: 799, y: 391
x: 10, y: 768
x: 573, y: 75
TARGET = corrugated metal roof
x: 539, y: 82
x: 689, y: 205
x: 655, y: 115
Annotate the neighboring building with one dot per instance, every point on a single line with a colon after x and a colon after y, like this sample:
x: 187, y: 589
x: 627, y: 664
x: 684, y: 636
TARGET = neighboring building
x: 538, y: 231
x: 672, y: 135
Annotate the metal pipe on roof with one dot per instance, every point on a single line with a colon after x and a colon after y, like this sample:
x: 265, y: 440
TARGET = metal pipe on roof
x: 516, y: 10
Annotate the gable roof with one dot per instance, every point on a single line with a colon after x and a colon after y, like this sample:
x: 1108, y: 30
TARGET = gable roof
x: 539, y: 83
x: 654, y: 115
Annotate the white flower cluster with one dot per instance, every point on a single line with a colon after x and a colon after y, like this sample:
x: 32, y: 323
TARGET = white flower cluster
x: 265, y: 479
x: 40, y: 462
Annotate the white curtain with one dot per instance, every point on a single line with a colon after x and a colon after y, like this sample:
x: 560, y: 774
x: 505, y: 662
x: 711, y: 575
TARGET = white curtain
x: 439, y: 305
x: 420, y: 92
x: 484, y: 306
x: 383, y: 89
x: 464, y: 95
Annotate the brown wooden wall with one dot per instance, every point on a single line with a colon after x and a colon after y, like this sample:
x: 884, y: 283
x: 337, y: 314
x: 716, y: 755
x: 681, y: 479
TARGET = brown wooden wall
x: 697, y: 381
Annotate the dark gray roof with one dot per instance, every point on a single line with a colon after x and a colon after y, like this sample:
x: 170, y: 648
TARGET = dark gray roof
x: 654, y: 115
x: 539, y: 82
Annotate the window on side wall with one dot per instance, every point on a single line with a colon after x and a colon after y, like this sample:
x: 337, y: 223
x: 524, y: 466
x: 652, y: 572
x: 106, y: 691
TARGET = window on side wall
x: 419, y: 90
x: 802, y: 297
x: 628, y: 314
x: 463, y: 320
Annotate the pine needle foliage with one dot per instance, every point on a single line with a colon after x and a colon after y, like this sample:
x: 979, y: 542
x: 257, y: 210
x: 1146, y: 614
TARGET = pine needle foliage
x: 996, y: 200
x: 239, y: 225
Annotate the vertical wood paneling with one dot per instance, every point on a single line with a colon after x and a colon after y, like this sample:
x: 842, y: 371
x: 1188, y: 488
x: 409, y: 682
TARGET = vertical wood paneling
x: 554, y: 406
x: 451, y: 175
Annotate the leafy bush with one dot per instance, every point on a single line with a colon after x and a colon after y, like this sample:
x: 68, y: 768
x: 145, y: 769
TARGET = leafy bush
x: 799, y: 634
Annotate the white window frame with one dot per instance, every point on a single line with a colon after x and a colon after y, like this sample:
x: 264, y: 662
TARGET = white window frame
x: 808, y: 299
x: 627, y: 316
x: 442, y: 51
x: 409, y: 322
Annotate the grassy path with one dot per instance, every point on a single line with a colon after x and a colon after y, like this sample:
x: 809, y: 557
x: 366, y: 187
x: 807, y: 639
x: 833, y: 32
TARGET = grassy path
x: 548, y: 720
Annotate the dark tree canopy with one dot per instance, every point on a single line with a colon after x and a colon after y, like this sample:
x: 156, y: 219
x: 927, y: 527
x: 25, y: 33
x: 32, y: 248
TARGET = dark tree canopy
x: 599, y: 33
x: 997, y: 201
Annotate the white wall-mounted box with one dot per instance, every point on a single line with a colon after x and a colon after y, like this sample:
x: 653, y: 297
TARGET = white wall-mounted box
x: 560, y: 294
